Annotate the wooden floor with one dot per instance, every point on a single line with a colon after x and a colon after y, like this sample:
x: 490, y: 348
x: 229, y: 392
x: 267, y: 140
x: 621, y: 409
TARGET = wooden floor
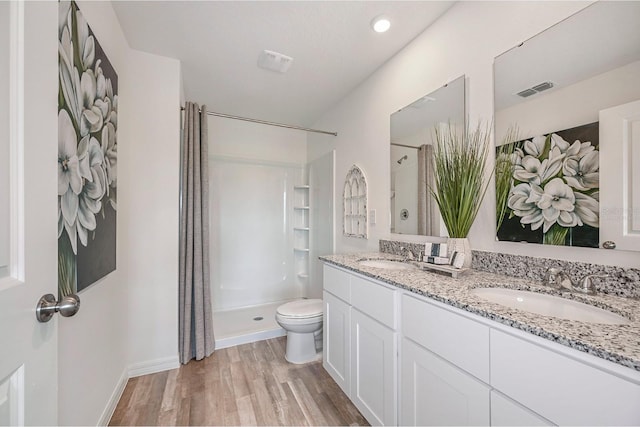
x: 251, y: 384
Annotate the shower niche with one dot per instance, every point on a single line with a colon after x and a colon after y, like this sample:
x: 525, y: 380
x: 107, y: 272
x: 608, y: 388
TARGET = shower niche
x: 301, y: 230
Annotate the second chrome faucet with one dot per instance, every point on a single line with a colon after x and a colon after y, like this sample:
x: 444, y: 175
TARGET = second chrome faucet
x: 557, y: 278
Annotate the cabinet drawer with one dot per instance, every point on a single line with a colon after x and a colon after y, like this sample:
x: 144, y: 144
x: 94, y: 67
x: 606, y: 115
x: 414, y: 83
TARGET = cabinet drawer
x: 337, y: 282
x: 374, y: 300
x: 459, y: 340
x: 559, y: 388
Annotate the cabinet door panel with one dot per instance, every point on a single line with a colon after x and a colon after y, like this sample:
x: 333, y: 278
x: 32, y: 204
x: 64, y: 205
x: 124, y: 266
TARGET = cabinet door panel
x: 435, y: 392
x: 506, y: 412
x: 336, y: 341
x: 373, y: 369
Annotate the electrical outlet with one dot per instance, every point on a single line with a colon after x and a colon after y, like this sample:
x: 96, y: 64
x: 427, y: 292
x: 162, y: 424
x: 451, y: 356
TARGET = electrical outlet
x: 372, y: 216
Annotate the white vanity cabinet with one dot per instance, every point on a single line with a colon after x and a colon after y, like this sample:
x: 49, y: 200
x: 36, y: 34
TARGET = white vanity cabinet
x: 416, y: 361
x: 360, y: 342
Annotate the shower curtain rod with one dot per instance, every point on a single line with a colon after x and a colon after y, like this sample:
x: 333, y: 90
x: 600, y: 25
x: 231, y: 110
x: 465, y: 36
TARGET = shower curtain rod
x: 264, y: 122
x: 405, y: 146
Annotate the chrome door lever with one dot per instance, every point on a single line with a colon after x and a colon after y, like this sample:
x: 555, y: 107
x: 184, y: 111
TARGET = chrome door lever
x: 48, y: 306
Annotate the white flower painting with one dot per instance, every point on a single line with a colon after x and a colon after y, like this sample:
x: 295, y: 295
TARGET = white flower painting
x: 555, y: 189
x: 87, y: 154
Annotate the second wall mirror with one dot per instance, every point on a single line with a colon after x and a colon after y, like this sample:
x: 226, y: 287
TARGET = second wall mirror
x: 413, y: 210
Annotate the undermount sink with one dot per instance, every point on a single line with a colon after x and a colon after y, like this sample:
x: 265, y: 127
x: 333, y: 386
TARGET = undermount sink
x: 386, y: 264
x: 549, y: 305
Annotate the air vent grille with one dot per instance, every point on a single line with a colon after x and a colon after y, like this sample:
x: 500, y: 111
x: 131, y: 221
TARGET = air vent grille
x: 274, y: 61
x: 535, y: 89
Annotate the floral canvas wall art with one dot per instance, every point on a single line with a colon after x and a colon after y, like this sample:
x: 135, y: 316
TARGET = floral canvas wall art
x: 554, y: 196
x: 87, y: 154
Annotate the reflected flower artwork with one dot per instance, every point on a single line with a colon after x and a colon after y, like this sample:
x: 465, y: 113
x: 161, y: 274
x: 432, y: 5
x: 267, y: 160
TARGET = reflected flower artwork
x: 554, y: 196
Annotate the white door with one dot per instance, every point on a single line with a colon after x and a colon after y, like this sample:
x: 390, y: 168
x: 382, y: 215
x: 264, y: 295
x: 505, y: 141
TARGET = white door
x: 373, y: 369
x: 620, y: 176
x: 436, y: 393
x: 28, y: 222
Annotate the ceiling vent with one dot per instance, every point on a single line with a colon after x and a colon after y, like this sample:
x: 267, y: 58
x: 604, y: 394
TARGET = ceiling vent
x: 535, y: 89
x: 274, y: 61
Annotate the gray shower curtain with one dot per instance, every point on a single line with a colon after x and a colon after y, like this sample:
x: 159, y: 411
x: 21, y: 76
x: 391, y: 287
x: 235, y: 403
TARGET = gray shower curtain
x: 427, y: 207
x: 195, y: 331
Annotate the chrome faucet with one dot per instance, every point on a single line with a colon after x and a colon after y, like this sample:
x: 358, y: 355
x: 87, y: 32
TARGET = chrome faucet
x: 557, y: 278
x: 586, y: 285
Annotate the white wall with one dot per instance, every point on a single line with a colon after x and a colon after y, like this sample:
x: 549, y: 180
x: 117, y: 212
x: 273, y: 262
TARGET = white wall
x: 92, y: 353
x: 246, y: 140
x: 129, y: 318
x: 464, y: 41
x: 149, y: 180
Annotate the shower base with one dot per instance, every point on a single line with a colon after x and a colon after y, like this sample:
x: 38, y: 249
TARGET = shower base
x: 247, y: 324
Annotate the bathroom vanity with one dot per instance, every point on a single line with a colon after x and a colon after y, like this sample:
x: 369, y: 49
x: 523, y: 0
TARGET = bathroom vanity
x: 414, y: 348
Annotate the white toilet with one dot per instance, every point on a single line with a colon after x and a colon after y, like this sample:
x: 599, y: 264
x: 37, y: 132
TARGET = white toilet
x: 302, y: 319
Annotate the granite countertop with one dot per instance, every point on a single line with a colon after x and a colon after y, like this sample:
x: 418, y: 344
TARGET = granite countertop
x: 616, y: 343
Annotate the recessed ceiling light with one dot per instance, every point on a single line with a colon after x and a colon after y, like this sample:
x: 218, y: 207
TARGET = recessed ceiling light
x: 380, y: 24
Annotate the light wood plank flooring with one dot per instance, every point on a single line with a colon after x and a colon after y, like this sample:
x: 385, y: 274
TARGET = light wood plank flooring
x: 251, y: 384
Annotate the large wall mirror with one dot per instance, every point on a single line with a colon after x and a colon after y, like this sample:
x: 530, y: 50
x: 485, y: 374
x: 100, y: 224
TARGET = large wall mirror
x: 413, y: 210
x: 573, y: 93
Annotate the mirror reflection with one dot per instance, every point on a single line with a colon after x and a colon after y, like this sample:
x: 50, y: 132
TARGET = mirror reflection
x: 555, y: 88
x: 413, y: 210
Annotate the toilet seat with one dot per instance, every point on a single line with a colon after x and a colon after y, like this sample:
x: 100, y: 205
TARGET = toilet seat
x: 301, y: 309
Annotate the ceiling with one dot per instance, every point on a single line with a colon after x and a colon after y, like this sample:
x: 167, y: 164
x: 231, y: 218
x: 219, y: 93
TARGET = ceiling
x: 218, y: 42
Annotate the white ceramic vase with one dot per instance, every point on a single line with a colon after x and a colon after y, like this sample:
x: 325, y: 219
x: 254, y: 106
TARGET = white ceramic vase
x: 460, y: 245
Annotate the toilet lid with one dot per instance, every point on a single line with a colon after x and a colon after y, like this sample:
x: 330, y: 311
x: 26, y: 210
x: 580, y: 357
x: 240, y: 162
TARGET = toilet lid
x: 301, y: 308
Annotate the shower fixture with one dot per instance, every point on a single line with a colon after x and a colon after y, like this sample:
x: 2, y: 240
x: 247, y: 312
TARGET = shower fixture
x: 405, y: 157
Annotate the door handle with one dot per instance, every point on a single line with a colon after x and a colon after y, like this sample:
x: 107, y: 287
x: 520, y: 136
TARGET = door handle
x: 48, y: 306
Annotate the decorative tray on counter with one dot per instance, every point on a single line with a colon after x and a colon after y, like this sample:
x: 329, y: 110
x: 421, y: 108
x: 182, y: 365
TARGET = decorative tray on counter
x: 443, y: 269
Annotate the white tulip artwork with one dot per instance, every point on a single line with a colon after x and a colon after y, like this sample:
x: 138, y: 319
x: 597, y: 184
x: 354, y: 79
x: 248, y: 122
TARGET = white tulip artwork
x: 87, y: 154
x: 554, y: 197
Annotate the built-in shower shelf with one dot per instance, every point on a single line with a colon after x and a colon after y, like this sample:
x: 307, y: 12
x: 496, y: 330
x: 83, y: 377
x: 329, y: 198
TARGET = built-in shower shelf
x: 301, y: 231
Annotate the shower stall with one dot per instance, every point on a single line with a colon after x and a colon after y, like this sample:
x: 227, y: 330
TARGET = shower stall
x: 262, y: 241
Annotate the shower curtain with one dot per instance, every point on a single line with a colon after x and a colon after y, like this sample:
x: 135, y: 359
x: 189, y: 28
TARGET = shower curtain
x: 427, y: 207
x: 195, y: 331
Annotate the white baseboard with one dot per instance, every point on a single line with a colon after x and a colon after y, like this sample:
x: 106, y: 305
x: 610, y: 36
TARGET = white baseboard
x: 135, y: 370
x: 113, y: 400
x: 252, y: 337
x: 153, y: 366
